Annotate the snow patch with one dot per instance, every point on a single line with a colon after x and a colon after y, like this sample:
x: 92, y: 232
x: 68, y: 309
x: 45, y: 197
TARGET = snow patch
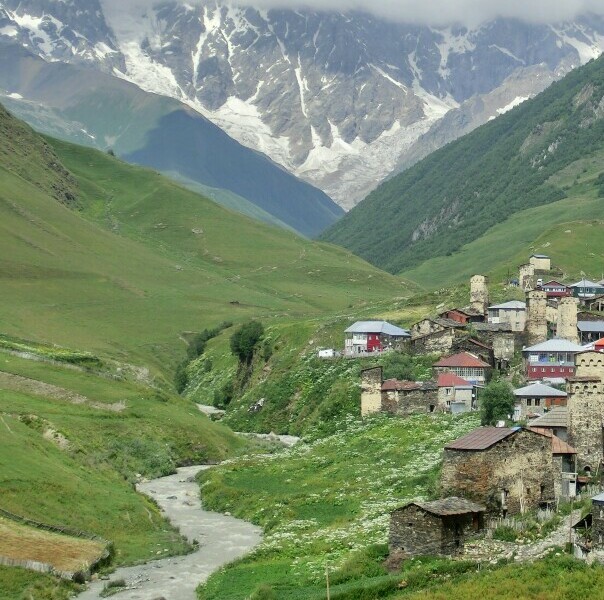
x: 515, y: 102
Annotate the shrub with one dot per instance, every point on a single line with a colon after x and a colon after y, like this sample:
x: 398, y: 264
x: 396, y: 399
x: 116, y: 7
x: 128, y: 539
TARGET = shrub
x: 245, y: 340
x: 181, y: 377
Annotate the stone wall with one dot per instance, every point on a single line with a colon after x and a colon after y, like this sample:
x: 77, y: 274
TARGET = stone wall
x: 414, y: 532
x: 479, y: 294
x: 504, y: 345
x: 541, y: 264
x: 536, y: 322
x: 566, y: 326
x: 425, y: 327
x: 371, y: 390
x: 438, y: 342
x: 585, y: 416
x: 597, y: 524
x: 410, y: 402
x: 526, y: 274
x: 516, y: 472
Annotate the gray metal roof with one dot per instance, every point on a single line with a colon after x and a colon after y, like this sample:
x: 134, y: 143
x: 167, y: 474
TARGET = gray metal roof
x: 597, y: 326
x: 539, y: 390
x: 599, y: 497
x: 377, y: 327
x: 511, y: 305
x: 584, y: 283
x: 556, y: 417
x: 555, y: 345
x: 539, y: 256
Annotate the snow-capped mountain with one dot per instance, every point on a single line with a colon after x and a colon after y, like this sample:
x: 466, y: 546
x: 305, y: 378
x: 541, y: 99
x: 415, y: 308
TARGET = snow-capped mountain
x: 335, y: 98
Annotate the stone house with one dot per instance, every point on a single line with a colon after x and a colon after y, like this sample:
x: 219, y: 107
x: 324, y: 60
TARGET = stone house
x: 431, y: 325
x: 540, y: 262
x: 394, y: 396
x: 512, y: 313
x: 586, y: 409
x: 564, y: 465
x: 555, y: 290
x: 455, y: 394
x: 434, y: 528
x: 535, y: 399
x: 465, y: 365
x: 509, y: 470
x: 438, y: 342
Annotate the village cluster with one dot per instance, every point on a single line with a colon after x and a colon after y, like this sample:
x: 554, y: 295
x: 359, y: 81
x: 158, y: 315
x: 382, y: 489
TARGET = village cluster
x: 498, y: 471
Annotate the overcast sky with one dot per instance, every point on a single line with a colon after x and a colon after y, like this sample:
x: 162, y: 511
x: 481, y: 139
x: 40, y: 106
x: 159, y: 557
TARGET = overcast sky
x: 429, y: 12
x: 449, y: 11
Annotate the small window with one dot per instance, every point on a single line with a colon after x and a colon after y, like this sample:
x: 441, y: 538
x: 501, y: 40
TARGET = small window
x: 432, y: 407
x: 409, y: 524
x: 529, y: 402
x: 537, y: 402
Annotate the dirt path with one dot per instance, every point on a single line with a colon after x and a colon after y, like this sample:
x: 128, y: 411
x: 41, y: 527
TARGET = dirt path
x: 222, y: 539
x: 17, y: 383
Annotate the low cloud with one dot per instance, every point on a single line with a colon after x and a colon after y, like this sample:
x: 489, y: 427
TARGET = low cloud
x: 426, y: 12
x: 466, y: 12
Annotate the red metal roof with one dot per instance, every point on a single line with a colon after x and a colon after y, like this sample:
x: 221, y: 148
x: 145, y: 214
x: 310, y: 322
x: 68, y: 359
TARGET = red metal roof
x: 482, y: 438
x: 463, y: 359
x: 452, y: 380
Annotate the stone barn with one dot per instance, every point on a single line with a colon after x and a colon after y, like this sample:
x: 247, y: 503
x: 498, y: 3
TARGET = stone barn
x: 509, y: 470
x: 434, y: 528
x: 396, y: 397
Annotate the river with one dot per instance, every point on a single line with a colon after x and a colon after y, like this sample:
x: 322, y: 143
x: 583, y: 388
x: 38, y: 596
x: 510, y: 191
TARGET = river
x: 221, y: 538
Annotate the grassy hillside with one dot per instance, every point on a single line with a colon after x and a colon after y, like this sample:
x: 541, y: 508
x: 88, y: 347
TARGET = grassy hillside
x: 159, y: 260
x: 570, y: 231
x: 98, y: 110
x: 503, y: 170
x: 324, y: 502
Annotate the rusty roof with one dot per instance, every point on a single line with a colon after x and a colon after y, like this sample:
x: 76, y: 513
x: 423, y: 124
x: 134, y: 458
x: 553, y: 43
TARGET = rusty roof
x: 482, y: 438
x: 558, y: 446
x: 463, y: 359
x: 450, y: 506
x: 395, y: 384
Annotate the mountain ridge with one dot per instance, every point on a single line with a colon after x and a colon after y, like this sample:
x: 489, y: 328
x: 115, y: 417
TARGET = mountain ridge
x: 456, y: 194
x: 336, y: 98
x: 83, y: 106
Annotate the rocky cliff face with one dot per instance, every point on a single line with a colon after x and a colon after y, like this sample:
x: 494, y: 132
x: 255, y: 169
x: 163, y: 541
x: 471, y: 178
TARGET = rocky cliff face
x: 338, y: 99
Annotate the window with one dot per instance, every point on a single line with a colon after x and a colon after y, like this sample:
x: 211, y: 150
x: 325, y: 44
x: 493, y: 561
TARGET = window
x: 448, y: 403
x: 537, y: 402
x: 529, y: 402
x: 448, y: 391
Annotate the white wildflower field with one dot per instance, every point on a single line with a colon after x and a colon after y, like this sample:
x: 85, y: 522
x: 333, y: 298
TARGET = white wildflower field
x: 319, y: 502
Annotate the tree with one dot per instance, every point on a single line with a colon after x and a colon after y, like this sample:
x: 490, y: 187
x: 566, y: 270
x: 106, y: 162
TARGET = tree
x: 496, y: 402
x: 245, y: 340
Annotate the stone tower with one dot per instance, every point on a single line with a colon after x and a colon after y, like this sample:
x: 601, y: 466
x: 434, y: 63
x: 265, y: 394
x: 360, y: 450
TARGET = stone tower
x: 525, y: 277
x: 586, y: 409
x: 479, y: 294
x: 371, y: 390
x: 566, y: 326
x: 536, y: 321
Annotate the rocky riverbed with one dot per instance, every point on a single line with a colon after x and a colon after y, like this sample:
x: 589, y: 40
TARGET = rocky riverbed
x: 221, y: 539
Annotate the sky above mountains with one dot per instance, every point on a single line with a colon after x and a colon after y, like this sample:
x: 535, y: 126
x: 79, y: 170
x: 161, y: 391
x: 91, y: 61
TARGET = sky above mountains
x: 429, y: 12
